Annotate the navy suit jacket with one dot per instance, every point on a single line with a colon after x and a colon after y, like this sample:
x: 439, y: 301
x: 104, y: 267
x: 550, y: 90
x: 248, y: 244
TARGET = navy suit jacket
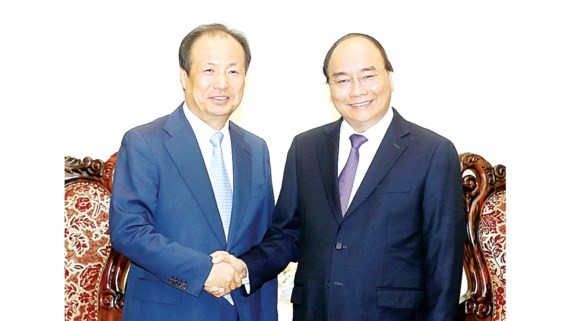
x: 164, y: 218
x: 397, y: 253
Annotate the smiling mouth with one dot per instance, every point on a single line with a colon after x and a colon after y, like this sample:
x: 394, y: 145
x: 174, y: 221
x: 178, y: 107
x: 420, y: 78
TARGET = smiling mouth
x: 361, y: 104
x: 220, y: 99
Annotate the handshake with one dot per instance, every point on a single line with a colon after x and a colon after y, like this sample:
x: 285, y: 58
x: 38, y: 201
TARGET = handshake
x: 226, y: 275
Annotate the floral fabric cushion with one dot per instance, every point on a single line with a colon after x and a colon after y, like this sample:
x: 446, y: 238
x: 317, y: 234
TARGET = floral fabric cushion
x: 492, y: 233
x: 87, y: 246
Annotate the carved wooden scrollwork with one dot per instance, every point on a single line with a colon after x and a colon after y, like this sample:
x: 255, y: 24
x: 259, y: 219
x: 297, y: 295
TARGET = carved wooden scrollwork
x: 109, y: 170
x: 91, y: 169
x: 480, y: 180
x: 112, y: 286
x: 86, y: 167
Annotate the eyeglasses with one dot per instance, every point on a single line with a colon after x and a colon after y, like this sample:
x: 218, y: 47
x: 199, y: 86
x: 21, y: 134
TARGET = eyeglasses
x: 365, y: 79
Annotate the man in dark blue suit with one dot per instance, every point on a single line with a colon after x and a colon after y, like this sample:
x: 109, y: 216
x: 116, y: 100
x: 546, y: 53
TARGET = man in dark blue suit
x: 179, y: 195
x: 380, y: 238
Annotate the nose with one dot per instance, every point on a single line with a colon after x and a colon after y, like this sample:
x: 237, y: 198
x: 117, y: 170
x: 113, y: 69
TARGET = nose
x: 220, y: 81
x: 357, y: 89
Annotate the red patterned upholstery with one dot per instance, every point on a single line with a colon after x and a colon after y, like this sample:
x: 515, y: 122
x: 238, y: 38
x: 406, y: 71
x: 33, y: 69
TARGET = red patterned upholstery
x: 485, y: 247
x: 94, y: 272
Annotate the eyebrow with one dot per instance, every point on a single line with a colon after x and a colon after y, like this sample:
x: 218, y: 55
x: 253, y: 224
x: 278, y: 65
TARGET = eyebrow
x: 338, y: 74
x: 215, y: 64
x: 369, y: 68
x: 343, y: 73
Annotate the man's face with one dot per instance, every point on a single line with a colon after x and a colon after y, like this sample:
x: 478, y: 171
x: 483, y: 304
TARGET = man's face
x: 214, y: 88
x: 360, y: 86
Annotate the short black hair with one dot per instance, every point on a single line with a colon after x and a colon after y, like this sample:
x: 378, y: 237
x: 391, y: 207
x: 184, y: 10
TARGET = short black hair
x: 387, y: 64
x: 210, y: 29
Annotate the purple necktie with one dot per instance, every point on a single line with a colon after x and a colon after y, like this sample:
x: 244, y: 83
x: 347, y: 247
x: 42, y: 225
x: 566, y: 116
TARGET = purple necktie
x: 346, y: 178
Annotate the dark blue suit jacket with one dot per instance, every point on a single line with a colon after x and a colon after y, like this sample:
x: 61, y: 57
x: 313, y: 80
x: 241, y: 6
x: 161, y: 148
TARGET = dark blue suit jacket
x: 398, y: 252
x: 164, y: 218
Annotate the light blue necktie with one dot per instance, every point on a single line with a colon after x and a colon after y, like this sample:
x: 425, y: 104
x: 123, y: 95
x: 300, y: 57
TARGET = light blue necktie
x: 346, y: 177
x: 221, y: 182
x: 221, y: 186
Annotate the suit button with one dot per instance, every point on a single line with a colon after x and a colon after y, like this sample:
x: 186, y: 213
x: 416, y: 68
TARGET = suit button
x: 338, y: 245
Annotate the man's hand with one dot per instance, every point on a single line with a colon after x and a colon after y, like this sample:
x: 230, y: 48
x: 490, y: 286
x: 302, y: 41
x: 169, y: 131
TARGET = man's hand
x: 238, y: 265
x: 222, y: 280
x: 226, y: 274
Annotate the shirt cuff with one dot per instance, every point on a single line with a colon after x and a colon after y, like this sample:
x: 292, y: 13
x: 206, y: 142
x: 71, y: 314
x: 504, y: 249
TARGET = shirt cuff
x: 245, y: 281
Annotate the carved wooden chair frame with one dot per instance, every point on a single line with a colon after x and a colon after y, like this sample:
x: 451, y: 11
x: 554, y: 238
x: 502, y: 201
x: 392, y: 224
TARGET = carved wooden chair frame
x: 480, y: 181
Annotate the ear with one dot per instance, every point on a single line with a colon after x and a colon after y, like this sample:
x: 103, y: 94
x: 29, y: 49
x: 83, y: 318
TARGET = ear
x: 183, y: 77
x: 391, y: 83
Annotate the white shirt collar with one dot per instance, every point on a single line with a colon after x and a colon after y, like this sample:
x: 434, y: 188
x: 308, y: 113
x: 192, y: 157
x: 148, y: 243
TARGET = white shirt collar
x: 367, y: 151
x: 203, y: 133
x: 374, y: 134
x: 201, y: 129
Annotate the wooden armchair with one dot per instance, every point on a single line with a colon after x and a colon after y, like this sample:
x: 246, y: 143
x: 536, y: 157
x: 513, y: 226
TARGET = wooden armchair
x: 95, y: 273
x: 485, y: 247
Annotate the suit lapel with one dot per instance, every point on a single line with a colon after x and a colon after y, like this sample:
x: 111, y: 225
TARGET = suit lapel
x: 241, y: 154
x: 395, y: 141
x: 185, y: 152
x: 328, y: 161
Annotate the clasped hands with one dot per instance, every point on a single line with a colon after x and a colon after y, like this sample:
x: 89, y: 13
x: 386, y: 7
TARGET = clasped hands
x: 226, y: 274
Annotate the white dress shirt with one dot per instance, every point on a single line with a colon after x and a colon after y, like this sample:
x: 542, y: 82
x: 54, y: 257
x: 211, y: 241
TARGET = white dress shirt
x: 374, y: 134
x: 203, y: 134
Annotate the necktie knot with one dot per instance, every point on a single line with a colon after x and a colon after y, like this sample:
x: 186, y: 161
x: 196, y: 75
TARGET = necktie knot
x: 216, y: 139
x: 357, y: 140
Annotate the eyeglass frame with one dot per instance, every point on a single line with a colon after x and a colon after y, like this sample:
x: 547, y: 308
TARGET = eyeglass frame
x: 365, y: 79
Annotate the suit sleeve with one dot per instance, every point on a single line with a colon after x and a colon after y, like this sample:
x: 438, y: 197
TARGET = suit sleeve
x: 132, y: 221
x: 443, y: 233
x: 280, y: 243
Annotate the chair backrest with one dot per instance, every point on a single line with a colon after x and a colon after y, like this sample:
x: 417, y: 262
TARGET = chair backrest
x: 95, y: 273
x: 485, y: 247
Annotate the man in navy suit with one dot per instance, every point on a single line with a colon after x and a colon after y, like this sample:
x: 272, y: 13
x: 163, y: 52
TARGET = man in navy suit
x: 380, y: 238
x: 166, y: 215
